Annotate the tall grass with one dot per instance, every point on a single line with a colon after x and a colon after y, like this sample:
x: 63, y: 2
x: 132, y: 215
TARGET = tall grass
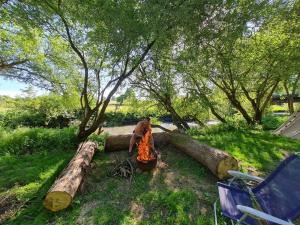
x: 31, y: 140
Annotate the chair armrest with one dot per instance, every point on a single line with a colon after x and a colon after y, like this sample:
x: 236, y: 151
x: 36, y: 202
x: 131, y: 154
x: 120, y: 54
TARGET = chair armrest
x: 240, y: 175
x: 261, y: 215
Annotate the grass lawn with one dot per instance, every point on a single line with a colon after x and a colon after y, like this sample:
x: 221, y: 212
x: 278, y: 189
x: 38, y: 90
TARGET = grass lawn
x: 178, y: 191
x: 257, y: 151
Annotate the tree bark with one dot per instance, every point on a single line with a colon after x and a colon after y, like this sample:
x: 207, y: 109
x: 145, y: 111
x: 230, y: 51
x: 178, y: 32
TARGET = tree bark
x: 178, y: 121
x: 121, y: 142
x: 217, y: 161
x: 217, y: 115
x: 290, y: 98
x: 66, y: 185
x: 240, y: 108
x: 257, y: 116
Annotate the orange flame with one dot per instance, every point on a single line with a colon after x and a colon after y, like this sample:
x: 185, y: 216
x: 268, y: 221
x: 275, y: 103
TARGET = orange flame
x: 144, y: 149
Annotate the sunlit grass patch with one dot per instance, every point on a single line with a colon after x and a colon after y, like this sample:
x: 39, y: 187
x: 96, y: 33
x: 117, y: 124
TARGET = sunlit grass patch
x: 256, y: 149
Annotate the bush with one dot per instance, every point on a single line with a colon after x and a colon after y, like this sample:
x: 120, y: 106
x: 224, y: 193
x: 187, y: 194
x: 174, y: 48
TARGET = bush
x: 13, y: 119
x: 120, y: 118
x: 272, y: 122
x: 31, y: 140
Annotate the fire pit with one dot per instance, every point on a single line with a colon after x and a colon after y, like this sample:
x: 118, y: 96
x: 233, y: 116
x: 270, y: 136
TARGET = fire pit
x: 147, y: 158
x: 147, y: 165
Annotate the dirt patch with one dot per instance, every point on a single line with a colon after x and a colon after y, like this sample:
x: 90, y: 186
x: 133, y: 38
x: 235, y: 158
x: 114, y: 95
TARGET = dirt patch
x: 138, y: 211
x: 9, y: 205
x: 86, y: 208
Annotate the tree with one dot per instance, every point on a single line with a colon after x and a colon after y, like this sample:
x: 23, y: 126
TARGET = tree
x: 157, y: 77
x: 199, y: 88
x: 244, y: 59
x: 291, y: 87
x: 106, y: 42
x: 287, y: 23
x: 129, y: 94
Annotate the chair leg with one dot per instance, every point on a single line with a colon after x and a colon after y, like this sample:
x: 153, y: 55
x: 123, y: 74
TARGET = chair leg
x: 215, y: 212
x: 242, y: 218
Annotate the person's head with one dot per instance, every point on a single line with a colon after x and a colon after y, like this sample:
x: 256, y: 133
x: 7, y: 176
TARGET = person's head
x: 147, y: 121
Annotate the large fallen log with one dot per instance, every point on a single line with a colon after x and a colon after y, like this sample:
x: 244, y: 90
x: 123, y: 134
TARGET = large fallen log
x: 217, y: 161
x: 121, y: 142
x: 62, y: 192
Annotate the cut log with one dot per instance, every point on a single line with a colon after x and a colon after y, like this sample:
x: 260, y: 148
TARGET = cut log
x: 121, y: 142
x: 217, y: 161
x: 63, y: 190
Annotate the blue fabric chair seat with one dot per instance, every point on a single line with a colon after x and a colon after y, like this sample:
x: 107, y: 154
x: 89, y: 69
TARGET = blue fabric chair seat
x: 230, y: 196
x: 278, y: 195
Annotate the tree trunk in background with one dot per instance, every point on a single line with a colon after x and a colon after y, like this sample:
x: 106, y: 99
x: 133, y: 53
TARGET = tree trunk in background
x: 240, y: 108
x: 217, y: 115
x: 290, y: 98
x: 257, y: 116
x: 66, y: 185
x: 178, y: 121
x: 199, y: 122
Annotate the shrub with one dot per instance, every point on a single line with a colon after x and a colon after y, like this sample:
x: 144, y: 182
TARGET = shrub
x: 31, y: 140
x: 272, y: 122
x: 13, y: 119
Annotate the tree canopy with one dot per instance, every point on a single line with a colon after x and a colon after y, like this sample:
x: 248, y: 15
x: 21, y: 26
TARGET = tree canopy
x: 193, y: 57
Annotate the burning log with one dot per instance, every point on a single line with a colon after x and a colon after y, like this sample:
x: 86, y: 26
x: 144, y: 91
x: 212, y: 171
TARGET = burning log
x: 121, y: 142
x: 217, y: 161
x: 64, y: 188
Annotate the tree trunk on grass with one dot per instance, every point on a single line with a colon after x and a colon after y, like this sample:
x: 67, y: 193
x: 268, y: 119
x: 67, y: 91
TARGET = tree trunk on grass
x: 62, y: 192
x: 217, y: 161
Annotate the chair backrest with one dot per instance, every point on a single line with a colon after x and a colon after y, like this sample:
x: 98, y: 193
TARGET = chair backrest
x: 279, y: 193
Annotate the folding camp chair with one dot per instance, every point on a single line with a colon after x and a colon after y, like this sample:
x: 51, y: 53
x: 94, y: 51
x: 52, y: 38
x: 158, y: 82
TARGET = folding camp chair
x: 275, y: 200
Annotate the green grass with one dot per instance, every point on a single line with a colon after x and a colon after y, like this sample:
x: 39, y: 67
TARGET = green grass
x: 259, y: 150
x: 165, y: 196
x: 26, y: 179
x: 283, y: 107
x: 179, y: 191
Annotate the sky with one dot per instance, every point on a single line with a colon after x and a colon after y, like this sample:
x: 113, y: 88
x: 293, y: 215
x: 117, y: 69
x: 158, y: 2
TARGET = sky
x: 14, y: 88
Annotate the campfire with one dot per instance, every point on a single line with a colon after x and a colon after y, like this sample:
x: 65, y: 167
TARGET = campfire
x: 146, y: 159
